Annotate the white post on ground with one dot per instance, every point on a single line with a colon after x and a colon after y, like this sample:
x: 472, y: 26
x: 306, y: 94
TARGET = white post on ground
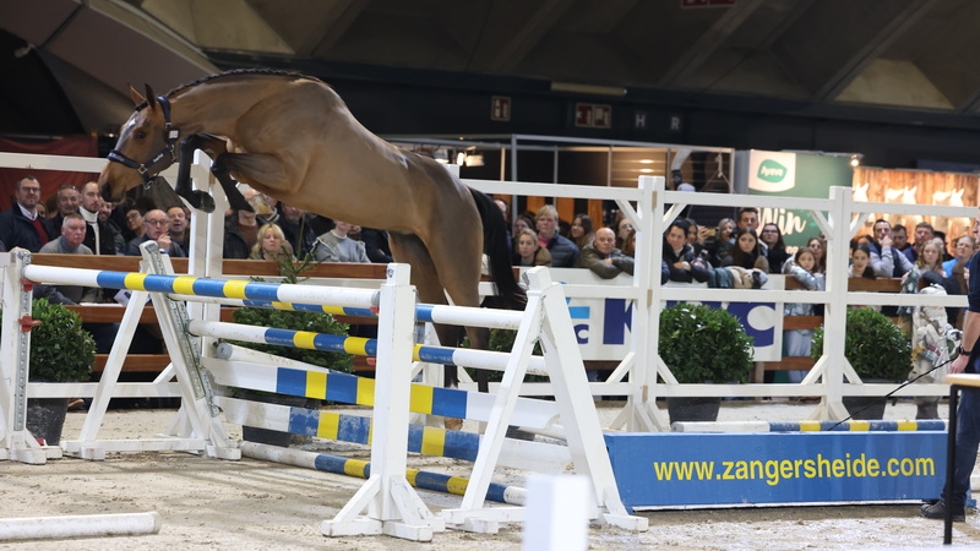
x: 557, y: 517
x: 393, y: 507
x: 79, y: 526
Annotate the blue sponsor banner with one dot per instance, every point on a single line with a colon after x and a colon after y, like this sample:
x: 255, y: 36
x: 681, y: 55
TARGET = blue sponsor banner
x: 740, y: 468
x: 603, y: 326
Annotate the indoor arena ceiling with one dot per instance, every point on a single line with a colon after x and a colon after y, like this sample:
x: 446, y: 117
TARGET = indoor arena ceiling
x: 919, y: 55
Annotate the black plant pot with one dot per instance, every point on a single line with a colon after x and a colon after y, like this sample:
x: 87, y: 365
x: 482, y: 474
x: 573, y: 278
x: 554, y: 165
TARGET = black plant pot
x: 46, y: 418
x: 693, y: 408
x: 869, y: 408
x: 266, y: 436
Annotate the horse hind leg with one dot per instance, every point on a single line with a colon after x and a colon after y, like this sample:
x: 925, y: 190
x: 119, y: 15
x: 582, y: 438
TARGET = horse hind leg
x: 428, y: 281
x: 456, y: 251
x: 410, y: 249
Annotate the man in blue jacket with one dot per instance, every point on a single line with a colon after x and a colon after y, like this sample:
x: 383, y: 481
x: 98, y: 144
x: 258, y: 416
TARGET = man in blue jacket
x: 968, y: 413
x: 21, y: 226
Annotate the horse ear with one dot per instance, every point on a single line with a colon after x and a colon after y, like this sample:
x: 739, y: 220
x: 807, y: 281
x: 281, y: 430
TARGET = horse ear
x: 137, y: 98
x: 151, y: 99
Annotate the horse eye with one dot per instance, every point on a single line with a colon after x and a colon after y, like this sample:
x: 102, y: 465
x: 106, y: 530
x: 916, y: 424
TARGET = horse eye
x: 140, y: 134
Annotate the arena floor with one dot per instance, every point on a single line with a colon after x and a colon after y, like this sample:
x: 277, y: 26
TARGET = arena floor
x: 245, y: 505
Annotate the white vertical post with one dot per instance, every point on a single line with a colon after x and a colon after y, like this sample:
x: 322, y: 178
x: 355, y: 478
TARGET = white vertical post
x: 197, y: 403
x: 557, y: 513
x: 545, y: 316
x: 646, y: 312
x: 833, y: 364
x: 393, y: 506
x: 15, y: 349
x: 578, y: 413
x: 389, y: 442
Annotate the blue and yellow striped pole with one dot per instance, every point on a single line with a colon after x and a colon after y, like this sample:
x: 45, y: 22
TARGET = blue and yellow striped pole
x: 355, y: 345
x: 427, y: 480
x: 206, y: 287
x: 855, y: 425
x: 434, y: 441
x: 281, y: 296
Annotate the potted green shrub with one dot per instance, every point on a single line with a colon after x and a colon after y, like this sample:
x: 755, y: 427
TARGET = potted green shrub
x: 61, y: 352
x: 878, y: 350
x: 700, y: 344
x: 317, y: 322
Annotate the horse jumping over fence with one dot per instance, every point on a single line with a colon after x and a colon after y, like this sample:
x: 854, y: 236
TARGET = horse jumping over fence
x: 292, y: 137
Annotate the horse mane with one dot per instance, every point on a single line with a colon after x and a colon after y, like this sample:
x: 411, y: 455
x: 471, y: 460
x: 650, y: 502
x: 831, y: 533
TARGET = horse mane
x: 263, y: 71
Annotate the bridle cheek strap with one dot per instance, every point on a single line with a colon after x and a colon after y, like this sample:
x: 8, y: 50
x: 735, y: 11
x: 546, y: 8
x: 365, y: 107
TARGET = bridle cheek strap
x: 166, y: 157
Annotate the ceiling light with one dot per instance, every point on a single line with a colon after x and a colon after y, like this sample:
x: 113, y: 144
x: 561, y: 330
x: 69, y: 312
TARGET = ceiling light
x: 23, y: 50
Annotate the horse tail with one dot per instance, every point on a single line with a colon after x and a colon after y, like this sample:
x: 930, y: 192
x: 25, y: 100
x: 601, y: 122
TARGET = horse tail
x: 497, y: 248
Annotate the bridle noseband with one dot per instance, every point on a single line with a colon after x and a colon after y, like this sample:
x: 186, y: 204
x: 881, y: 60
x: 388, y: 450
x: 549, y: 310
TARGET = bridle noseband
x: 150, y: 169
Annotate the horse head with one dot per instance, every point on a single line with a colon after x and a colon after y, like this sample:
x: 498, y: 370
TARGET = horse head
x: 145, y: 147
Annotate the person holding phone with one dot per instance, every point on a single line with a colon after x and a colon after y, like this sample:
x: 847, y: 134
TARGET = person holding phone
x: 156, y: 227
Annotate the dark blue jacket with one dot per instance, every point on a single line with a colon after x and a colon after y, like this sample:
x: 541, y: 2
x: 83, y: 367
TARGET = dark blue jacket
x: 564, y: 253
x: 698, y: 272
x: 973, y: 297
x: 17, y: 231
x: 133, y: 248
x: 235, y: 245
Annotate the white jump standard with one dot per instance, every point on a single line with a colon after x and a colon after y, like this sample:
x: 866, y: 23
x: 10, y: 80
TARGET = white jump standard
x: 386, y: 503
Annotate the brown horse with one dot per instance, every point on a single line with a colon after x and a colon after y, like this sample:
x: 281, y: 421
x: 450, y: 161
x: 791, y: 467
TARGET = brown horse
x: 292, y: 137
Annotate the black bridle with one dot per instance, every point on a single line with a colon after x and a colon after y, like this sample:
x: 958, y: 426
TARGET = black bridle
x: 160, y: 161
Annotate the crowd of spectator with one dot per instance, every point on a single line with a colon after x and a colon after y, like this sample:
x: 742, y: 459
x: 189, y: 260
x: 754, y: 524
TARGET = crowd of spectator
x: 737, y: 252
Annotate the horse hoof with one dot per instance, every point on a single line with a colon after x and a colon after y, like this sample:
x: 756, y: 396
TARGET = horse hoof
x: 202, y: 201
x: 452, y: 423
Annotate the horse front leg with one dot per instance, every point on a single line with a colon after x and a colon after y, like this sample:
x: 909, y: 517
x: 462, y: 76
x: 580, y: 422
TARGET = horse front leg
x: 213, y: 146
x: 221, y: 168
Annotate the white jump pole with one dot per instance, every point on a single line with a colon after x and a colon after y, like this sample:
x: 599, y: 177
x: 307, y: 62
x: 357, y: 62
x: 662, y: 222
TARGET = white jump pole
x: 465, y: 316
x: 79, y: 526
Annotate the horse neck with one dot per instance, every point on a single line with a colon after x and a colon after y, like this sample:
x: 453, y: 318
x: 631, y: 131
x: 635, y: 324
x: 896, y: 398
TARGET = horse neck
x: 212, y: 107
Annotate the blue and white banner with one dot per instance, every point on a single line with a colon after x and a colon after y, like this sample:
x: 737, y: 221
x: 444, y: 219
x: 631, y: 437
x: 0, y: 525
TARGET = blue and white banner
x: 603, y: 326
x: 674, y: 469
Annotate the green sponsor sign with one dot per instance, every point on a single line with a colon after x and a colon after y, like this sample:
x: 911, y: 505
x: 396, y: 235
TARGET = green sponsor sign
x: 814, y: 175
x: 771, y: 171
